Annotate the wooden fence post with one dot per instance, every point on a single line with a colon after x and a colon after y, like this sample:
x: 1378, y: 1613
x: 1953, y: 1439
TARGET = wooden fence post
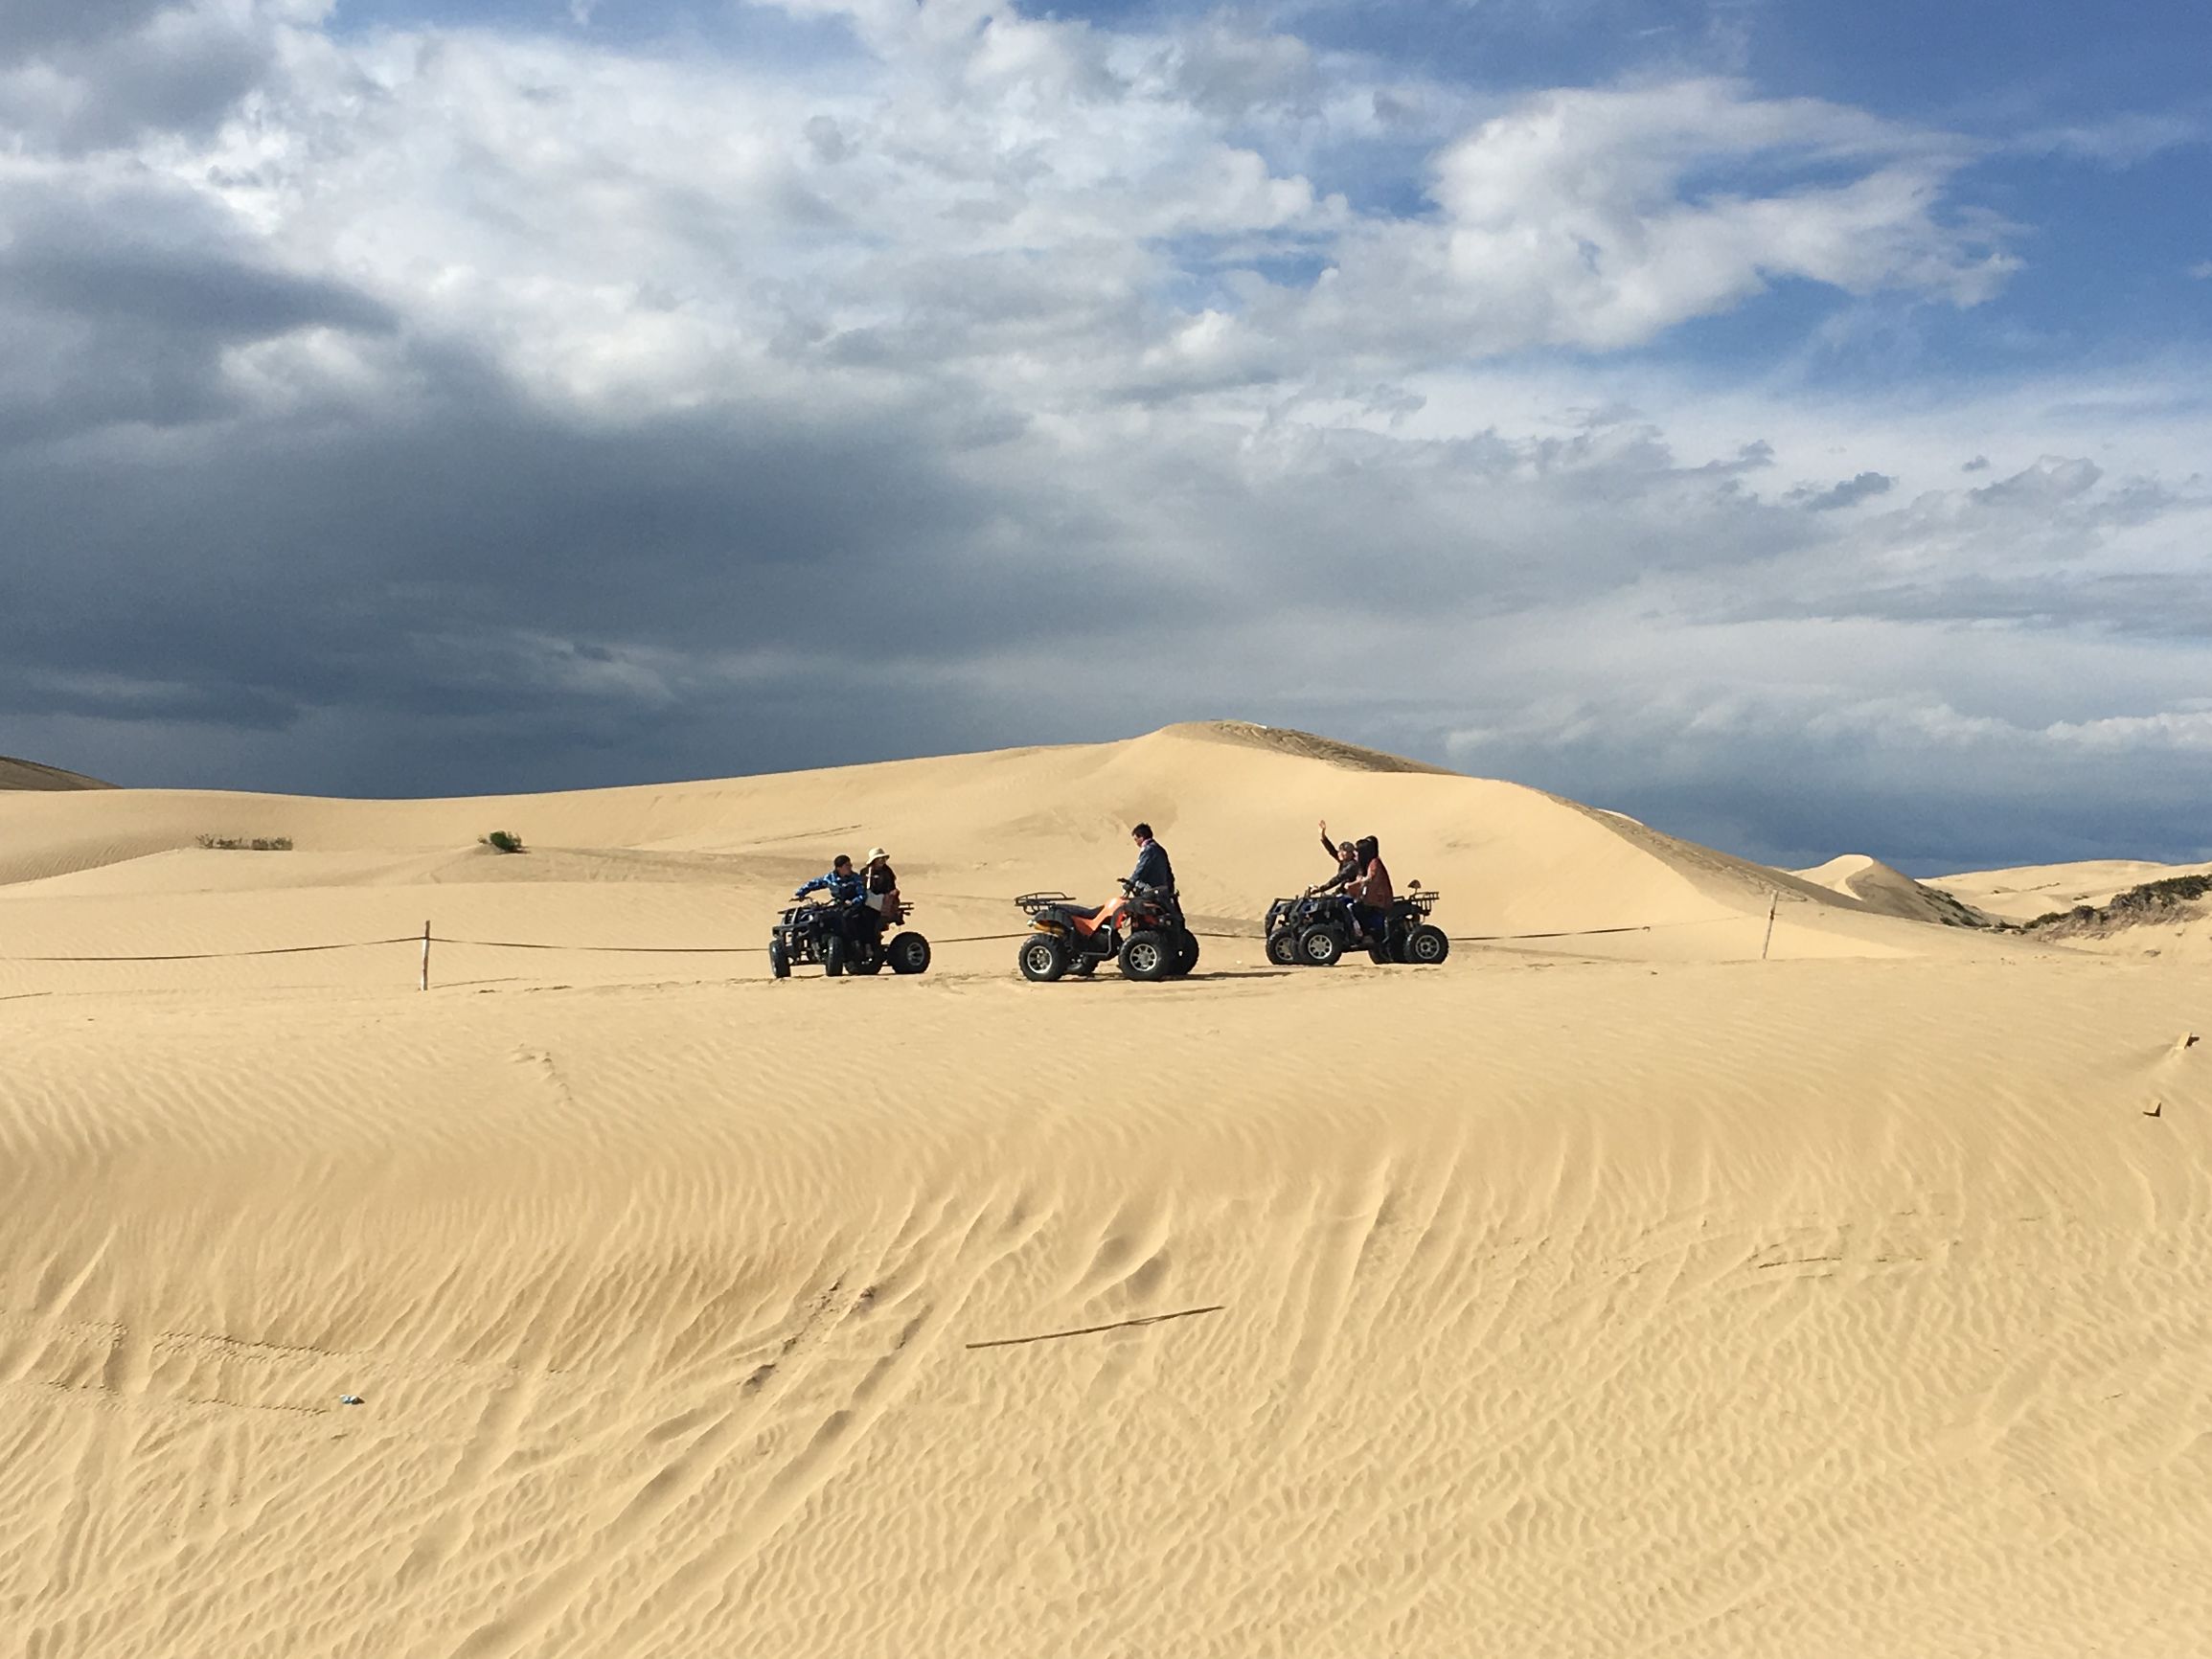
x: 426, y: 956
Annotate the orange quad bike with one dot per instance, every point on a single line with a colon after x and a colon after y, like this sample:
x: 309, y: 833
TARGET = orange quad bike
x: 1143, y: 930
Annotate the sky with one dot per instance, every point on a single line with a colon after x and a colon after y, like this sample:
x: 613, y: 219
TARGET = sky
x: 1785, y: 422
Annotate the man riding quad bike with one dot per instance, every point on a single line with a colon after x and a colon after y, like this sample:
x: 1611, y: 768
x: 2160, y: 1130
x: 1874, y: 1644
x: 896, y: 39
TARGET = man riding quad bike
x: 832, y: 935
x: 1144, y: 930
x: 1316, y: 928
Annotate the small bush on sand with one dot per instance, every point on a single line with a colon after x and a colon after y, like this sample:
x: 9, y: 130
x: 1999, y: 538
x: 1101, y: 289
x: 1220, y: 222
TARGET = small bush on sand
x: 503, y: 841
x: 246, y: 844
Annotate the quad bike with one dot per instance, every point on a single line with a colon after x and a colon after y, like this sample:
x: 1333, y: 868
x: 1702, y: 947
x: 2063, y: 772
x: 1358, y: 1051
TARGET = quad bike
x: 815, y: 932
x: 1143, y: 930
x: 1314, y: 929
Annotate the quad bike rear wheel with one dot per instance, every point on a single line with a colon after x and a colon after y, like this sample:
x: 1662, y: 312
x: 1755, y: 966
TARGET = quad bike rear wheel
x: 1321, y: 946
x: 779, y: 960
x: 1426, y: 946
x: 1283, y: 948
x: 1186, y: 953
x: 1382, y: 953
x: 909, y: 953
x: 1148, y: 954
x: 1044, y: 959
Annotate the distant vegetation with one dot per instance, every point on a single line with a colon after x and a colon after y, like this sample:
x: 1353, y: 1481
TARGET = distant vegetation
x: 246, y: 844
x: 502, y: 841
x: 2153, y: 901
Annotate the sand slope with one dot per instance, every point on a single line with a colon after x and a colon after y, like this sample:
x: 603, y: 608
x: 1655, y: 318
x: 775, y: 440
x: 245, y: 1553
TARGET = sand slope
x: 2183, y: 935
x: 17, y: 774
x: 1848, y: 1302
x: 2030, y: 891
x: 1818, y: 1308
x: 1893, y: 892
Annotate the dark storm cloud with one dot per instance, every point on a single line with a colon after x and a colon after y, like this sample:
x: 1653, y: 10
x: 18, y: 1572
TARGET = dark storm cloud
x: 474, y: 561
x: 29, y: 26
x: 118, y: 306
x: 1792, y: 795
x: 123, y: 68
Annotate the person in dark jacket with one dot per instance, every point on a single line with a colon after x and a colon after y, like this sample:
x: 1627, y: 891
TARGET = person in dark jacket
x: 1153, y: 867
x: 1370, y: 892
x: 881, y: 899
x: 1347, y: 856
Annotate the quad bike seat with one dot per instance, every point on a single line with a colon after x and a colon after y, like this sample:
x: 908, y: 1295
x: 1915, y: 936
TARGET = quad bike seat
x: 1086, y: 912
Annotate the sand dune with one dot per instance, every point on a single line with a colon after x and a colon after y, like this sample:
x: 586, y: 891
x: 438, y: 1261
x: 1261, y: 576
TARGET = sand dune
x: 1840, y: 1303
x: 1893, y: 892
x: 700, y: 864
x: 17, y: 774
x: 2030, y: 891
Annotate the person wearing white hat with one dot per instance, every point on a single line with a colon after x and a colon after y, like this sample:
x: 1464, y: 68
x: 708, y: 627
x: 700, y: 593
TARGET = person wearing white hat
x: 882, y: 898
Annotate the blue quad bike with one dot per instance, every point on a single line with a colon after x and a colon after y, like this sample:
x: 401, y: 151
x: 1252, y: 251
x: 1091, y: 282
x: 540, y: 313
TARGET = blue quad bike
x: 815, y: 933
x: 1314, y: 930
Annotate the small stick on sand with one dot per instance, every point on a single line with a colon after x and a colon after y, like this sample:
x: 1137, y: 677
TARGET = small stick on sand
x: 1094, y: 1330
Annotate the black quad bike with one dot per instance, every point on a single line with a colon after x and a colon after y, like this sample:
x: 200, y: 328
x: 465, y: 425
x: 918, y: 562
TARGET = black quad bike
x: 1314, y: 929
x: 1143, y: 930
x: 815, y: 932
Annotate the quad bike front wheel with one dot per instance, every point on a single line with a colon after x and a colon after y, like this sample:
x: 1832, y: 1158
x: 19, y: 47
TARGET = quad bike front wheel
x: 1426, y: 946
x: 1283, y: 948
x: 834, y: 952
x: 909, y: 953
x: 1186, y: 953
x: 1321, y: 946
x: 1148, y: 954
x: 779, y: 960
x: 1044, y: 959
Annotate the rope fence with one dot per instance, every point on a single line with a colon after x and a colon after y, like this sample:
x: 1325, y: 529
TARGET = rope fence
x: 426, y: 938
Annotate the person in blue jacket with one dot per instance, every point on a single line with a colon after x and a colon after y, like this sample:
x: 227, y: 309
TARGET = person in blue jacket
x: 848, y: 891
x: 845, y: 884
x: 1153, y: 867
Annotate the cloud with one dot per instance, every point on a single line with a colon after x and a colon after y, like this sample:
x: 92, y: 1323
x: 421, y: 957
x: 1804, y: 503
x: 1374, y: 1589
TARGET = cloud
x: 1602, y: 217
x: 451, y: 408
x: 2120, y: 141
x: 87, y: 74
x: 1848, y: 494
x: 39, y: 26
x: 2053, y: 480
